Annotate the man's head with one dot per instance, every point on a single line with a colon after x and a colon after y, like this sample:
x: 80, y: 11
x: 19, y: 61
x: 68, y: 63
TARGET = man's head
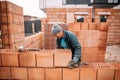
x: 57, y: 30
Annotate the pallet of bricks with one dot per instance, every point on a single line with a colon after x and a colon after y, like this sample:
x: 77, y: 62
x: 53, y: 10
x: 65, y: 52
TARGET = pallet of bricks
x: 12, y: 24
x: 52, y: 65
x: 93, y: 39
x: 50, y: 40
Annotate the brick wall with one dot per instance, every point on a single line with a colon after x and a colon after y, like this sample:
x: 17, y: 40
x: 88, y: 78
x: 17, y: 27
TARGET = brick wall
x: 92, y: 38
x: 12, y: 28
x: 12, y: 24
x: 61, y: 15
x: 49, y: 65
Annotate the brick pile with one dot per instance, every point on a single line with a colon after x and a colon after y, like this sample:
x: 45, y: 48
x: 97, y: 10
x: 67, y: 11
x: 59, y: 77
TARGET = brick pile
x: 50, y: 40
x: 43, y: 65
x: 12, y: 24
x: 93, y: 39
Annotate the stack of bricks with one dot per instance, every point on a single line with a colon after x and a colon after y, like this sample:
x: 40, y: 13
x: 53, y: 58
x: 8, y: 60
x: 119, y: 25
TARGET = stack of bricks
x: 52, y: 65
x: 12, y: 24
x: 50, y: 40
x: 34, y: 41
x: 93, y: 39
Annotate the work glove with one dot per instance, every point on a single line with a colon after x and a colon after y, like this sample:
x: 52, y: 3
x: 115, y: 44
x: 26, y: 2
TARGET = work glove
x: 73, y: 64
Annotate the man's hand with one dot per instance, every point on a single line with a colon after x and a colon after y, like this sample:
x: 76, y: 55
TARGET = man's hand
x: 73, y: 64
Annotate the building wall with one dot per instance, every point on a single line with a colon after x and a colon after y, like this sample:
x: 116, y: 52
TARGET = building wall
x: 67, y: 15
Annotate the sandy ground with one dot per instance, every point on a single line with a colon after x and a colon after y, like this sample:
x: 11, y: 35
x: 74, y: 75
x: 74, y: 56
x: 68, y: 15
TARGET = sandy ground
x: 112, y: 53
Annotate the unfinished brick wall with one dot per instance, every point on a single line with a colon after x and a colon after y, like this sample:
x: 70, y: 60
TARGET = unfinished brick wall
x: 12, y: 28
x: 50, y: 40
x: 46, y: 65
x: 93, y: 39
x: 12, y: 24
x: 60, y: 15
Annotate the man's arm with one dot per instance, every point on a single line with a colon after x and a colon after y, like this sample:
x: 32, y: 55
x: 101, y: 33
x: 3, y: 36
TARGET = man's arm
x: 77, y: 48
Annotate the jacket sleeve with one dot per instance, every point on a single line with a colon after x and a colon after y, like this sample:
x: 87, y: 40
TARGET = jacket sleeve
x: 76, y: 47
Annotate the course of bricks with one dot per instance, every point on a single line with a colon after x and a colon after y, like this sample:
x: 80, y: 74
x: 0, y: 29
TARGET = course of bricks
x: 12, y: 28
x: 51, y: 65
x: 92, y: 38
x: 49, y: 39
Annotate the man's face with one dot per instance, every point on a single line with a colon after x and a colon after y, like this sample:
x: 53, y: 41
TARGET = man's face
x: 59, y: 35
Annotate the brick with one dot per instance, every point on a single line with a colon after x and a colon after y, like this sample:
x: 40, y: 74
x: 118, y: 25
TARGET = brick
x: 105, y: 74
x: 103, y: 26
x: 64, y: 55
x: 88, y: 74
x: 101, y: 48
x: 117, y: 74
x: 92, y: 43
x: 76, y: 26
x: 102, y: 43
x: 9, y: 59
x: 5, y: 73
x: 95, y: 34
x: 36, y: 74
x: 71, y: 74
x: 44, y: 59
x: 27, y: 60
x: 19, y: 73
x: 84, y: 26
x: 103, y: 35
x: 93, y: 58
x: 80, y: 34
x: 90, y: 51
x: 53, y: 74
x: 92, y: 26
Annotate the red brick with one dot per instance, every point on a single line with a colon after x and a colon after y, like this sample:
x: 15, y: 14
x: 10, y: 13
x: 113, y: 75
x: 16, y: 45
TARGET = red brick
x: 44, y: 59
x: 91, y: 43
x: 103, y: 26
x: 102, y: 49
x: 9, y: 59
x: 117, y: 74
x: 87, y: 35
x: 76, y: 26
x: 102, y: 43
x: 90, y: 51
x: 27, y: 60
x: 93, y: 58
x: 19, y: 73
x: 103, y: 35
x: 88, y: 74
x: 5, y: 73
x: 92, y: 26
x: 36, y: 74
x: 105, y: 74
x: 95, y: 34
x: 53, y: 74
x: 80, y: 34
x: 64, y: 55
x: 84, y: 26
x: 71, y: 74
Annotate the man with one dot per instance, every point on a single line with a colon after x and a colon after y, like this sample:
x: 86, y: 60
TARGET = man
x: 68, y: 40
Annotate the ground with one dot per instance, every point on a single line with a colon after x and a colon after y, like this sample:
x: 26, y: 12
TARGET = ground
x: 112, y: 53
